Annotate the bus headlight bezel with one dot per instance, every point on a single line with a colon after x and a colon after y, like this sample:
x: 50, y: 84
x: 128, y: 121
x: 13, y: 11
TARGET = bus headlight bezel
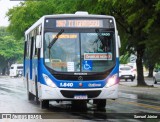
x: 48, y: 81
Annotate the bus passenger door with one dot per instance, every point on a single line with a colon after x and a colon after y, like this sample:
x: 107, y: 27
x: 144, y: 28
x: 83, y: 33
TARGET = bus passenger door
x: 31, y: 57
x: 34, y: 61
x: 34, y: 64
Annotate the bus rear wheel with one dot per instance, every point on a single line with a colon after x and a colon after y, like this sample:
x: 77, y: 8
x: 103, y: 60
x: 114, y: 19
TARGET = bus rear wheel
x: 101, y: 103
x: 44, y: 104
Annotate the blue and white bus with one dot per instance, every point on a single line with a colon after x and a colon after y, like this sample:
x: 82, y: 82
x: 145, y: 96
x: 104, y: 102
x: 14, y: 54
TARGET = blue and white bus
x: 72, y: 57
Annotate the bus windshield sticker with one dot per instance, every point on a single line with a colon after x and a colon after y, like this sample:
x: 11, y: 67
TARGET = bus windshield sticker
x: 79, y: 23
x: 47, y: 60
x: 70, y: 66
x: 98, y: 56
x: 58, y: 64
x: 87, y: 65
x: 66, y: 36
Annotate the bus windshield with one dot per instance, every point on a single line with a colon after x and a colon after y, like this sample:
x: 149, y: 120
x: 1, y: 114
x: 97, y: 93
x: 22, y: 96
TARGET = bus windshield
x: 79, y: 51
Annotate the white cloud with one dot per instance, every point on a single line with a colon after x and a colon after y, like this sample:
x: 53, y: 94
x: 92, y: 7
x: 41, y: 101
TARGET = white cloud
x: 5, y: 5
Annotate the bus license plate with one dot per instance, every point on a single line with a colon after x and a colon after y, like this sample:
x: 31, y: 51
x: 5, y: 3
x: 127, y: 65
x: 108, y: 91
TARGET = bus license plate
x: 81, y: 97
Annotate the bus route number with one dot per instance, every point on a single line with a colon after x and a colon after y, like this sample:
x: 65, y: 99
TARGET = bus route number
x: 66, y: 84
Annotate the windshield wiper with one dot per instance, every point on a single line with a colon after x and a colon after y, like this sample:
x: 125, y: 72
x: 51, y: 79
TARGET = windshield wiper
x: 98, y: 33
x: 55, y: 39
x: 104, y: 42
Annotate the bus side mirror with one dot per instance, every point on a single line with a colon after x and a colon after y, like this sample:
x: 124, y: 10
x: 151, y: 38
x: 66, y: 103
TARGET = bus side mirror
x: 38, y: 41
x: 119, y: 41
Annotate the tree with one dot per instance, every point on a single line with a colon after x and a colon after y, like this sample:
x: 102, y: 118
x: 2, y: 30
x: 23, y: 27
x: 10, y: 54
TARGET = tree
x: 11, y: 49
x: 23, y: 16
x: 137, y: 19
x: 152, y: 55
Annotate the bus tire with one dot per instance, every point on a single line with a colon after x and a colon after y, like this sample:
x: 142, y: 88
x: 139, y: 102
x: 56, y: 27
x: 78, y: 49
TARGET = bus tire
x: 44, y: 104
x: 101, y: 103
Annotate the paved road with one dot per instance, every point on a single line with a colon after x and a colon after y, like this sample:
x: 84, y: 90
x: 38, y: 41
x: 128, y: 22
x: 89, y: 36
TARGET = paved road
x: 13, y: 99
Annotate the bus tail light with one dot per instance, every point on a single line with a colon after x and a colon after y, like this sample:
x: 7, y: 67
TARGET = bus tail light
x: 112, y: 80
x: 48, y: 81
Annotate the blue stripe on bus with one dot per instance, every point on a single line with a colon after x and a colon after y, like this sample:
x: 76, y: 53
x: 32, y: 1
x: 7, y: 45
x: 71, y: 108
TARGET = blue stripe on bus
x: 68, y: 83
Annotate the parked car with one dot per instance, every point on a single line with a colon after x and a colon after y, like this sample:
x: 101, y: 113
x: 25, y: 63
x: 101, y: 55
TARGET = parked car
x: 16, y: 70
x: 134, y: 68
x: 126, y: 72
x: 156, y: 77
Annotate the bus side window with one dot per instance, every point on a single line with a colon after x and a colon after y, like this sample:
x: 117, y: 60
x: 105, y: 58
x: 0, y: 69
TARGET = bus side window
x: 35, y: 49
x: 31, y: 50
x: 25, y: 49
x: 33, y: 46
x: 34, y: 54
x: 38, y: 32
x: 27, y: 46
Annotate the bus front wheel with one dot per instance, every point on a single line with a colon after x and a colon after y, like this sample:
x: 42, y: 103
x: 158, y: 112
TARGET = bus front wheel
x: 44, y: 104
x: 101, y: 103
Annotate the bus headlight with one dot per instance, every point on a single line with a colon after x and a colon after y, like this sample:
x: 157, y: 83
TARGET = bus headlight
x: 112, y: 80
x: 48, y: 81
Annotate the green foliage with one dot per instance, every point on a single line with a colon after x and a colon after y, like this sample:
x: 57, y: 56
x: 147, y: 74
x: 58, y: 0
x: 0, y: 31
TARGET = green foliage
x: 124, y: 58
x: 23, y: 16
x: 157, y: 6
x: 11, y: 49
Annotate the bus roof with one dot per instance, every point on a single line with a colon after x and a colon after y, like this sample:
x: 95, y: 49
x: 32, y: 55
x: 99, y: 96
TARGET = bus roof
x: 17, y: 65
x: 76, y: 15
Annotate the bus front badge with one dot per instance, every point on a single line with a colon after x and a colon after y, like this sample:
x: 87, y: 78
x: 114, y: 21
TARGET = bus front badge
x: 80, y: 78
x: 80, y: 84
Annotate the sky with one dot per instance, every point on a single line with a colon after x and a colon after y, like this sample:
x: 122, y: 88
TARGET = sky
x: 5, y: 5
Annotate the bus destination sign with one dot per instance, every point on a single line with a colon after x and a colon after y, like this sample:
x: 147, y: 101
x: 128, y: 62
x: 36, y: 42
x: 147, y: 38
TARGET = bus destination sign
x: 79, y: 23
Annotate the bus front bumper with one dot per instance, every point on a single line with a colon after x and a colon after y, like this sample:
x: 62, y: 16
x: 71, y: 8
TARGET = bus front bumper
x: 49, y: 93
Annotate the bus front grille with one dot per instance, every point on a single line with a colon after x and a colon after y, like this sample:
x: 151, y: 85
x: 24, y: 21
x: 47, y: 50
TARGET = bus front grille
x: 71, y: 94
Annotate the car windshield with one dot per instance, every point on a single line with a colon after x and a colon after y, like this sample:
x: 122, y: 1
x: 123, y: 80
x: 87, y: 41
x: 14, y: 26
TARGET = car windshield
x: 80, y: 52
x: 20, y: 67
x: 125, y: 68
